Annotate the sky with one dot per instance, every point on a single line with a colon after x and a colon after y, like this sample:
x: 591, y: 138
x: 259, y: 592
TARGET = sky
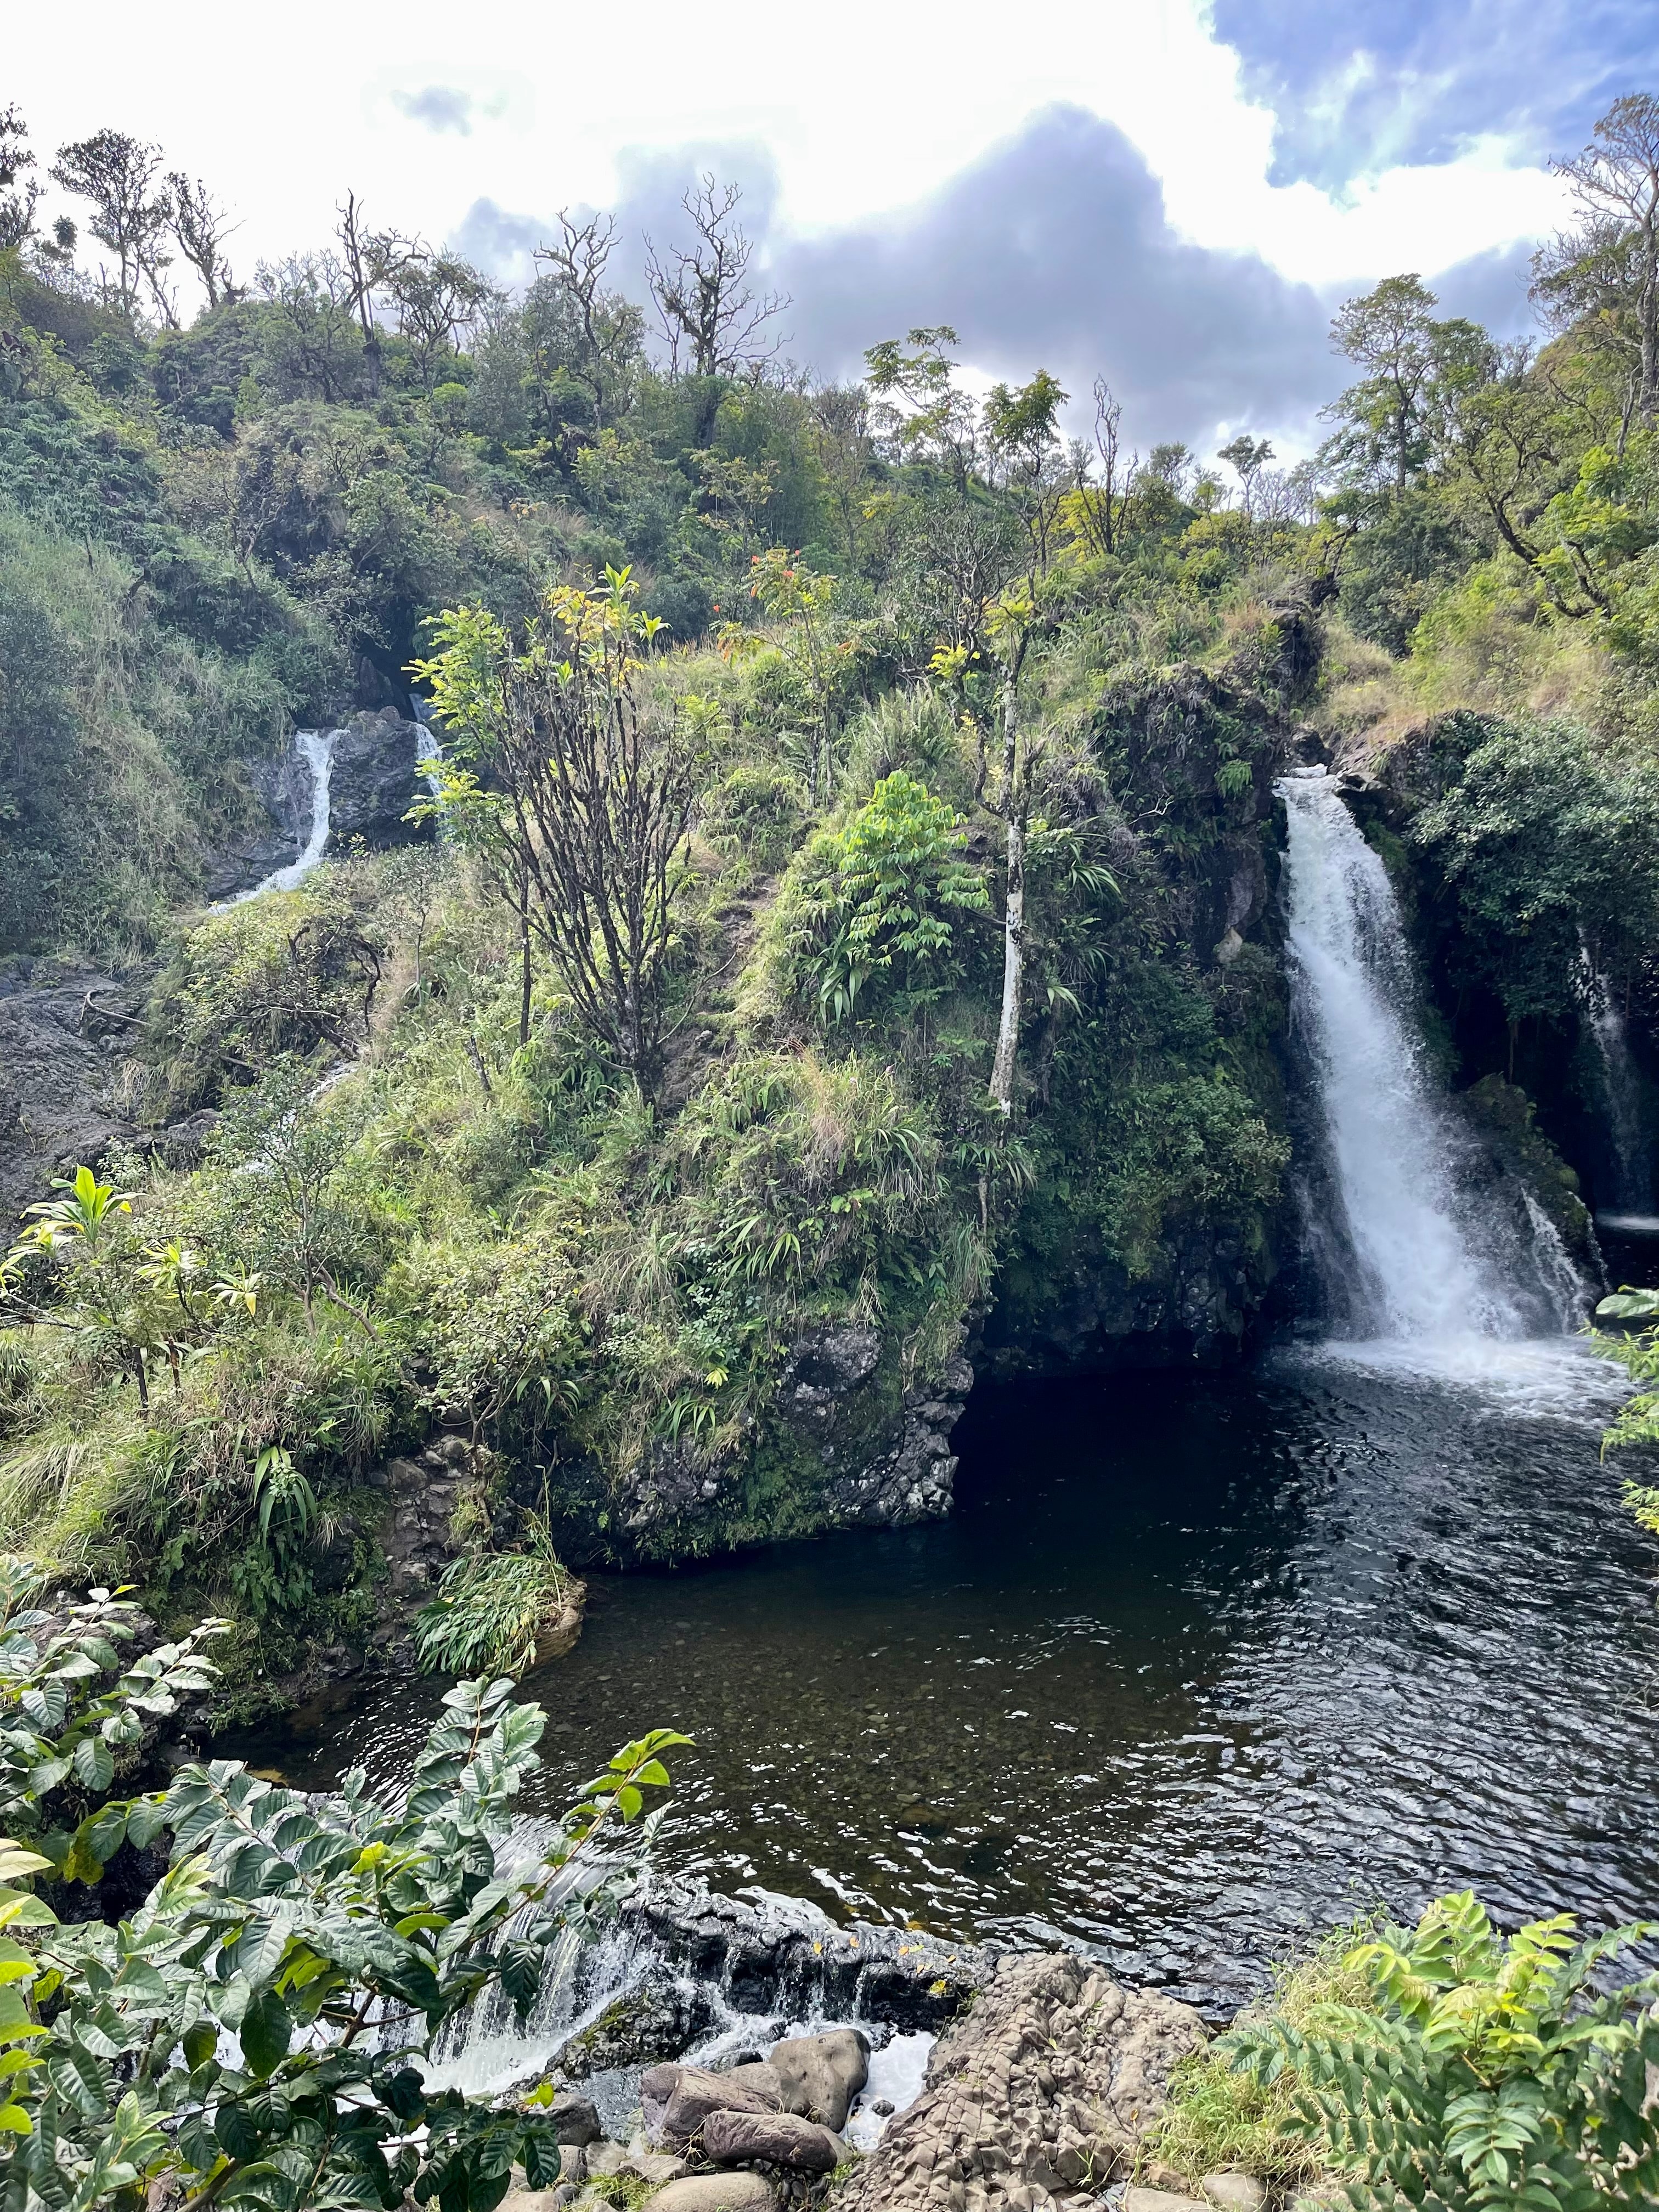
x: 1172, y: 193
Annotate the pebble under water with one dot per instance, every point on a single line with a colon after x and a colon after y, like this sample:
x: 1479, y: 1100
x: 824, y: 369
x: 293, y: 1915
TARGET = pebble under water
x: 1199, y: 1665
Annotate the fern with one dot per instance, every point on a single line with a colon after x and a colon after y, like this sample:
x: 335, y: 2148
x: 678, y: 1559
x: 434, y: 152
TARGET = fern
x: 1492, y: 2077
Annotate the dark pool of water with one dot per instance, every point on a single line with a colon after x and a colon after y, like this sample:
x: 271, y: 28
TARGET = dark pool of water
x: 1198, y: 1665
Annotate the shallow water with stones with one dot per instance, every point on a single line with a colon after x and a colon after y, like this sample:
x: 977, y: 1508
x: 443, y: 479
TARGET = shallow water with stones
x: 1199, y: 1665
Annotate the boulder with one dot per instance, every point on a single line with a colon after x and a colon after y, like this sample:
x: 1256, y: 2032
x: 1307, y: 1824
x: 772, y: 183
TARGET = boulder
x: 821, y: 2075
x: 575, y: 2119
x: 779, y: 2138
x: 717, y: 2192
x: 1160, y: 2200
x: 1233, y: 2192
x: 373, y: 780
x: 1041, y: 2091
x: 698, y: 2092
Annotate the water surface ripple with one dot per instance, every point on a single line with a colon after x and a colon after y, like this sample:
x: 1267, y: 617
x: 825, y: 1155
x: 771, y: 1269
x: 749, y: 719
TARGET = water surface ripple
x: 1199, y: 1665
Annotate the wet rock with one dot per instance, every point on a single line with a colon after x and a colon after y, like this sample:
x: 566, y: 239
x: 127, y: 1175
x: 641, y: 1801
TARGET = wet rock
x: 698, y: 2093
x: 822, y: 2074
x: 912, y: 1481
x: 575, y: 2119
x: 778, y: 2138
x: 717, y: 2192
x: 784, y: 1955
x: 1040, y: 2092
x: 374, y: 780
x: 663, y: 2014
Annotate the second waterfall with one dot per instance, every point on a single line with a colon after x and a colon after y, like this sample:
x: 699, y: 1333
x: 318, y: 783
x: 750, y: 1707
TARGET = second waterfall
x: 1404, y: 1245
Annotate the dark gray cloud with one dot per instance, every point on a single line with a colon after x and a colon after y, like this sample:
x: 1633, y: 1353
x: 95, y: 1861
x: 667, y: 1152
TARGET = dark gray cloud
x: 439, y: 106
x: 1362, y: 86
x: 1054, y: 252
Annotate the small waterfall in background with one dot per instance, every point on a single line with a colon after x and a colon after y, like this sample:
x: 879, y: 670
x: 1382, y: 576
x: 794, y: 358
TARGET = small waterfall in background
x: 316, y: 748
x: 1622, y: 1096
x: 422, y: 711
x: 1405, y: 1254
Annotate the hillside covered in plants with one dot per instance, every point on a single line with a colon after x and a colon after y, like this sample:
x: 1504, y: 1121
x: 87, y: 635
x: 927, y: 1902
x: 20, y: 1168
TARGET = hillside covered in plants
x: 835, y: 948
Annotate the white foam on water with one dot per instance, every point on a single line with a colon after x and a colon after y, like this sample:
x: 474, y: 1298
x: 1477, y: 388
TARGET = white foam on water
x: 898, y: 2073
x: 1522, y: 1379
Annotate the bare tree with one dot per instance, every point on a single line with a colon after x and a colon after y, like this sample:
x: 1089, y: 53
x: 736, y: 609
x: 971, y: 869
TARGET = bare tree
x: 19, y: 194
x: 319, y: 342
x: 1610, y: 264
x: 715, y: 323
x: 372, y: 260
x: 606, y: 324
x: 116, y: 173
x: 201, y: 227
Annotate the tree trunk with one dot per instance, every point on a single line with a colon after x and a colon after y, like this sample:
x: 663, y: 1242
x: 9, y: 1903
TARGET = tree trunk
x: 524, y: 972
x: 1014, y: 798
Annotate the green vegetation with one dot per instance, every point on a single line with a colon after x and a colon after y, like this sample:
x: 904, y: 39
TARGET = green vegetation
x: 850, y: 913
x: 1480, y: 2070
x: 281, y: 1929
x: 1222, y: 2117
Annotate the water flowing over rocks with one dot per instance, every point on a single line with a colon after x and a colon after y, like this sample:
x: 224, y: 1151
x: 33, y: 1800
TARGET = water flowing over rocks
x: 361, y: 778
x: 1044, y: 2075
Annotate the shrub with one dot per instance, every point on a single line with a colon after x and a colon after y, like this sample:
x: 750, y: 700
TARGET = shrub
x: 1486, y: 2074
x: 490, y: 1611
x: 879, y: 908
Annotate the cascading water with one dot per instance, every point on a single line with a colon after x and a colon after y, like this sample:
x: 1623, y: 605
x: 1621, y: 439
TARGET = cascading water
x: 1622, y: 1089
x: 1419, y: 1263
x: 316, y: 748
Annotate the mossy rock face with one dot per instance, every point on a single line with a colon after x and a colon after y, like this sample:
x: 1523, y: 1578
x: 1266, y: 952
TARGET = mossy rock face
x: 660, y: 2019
x: 1505, y: 1115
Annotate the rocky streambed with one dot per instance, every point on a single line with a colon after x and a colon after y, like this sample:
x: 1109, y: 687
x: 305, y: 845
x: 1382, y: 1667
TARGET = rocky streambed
x: 760, y: 2055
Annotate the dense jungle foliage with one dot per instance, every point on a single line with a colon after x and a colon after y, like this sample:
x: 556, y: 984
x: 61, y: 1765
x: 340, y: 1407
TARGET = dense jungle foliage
x: 848, y: 902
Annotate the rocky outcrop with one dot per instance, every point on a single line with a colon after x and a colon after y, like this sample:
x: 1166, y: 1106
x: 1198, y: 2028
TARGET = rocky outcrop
x: 373, y: 782
x: 1034, y: 2099
x: 782, y: 1955
x: 62, y: 1027
x: 375, y: 779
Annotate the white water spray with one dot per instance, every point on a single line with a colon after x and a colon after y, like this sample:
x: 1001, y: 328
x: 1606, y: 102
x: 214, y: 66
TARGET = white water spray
x: 316, y: 748
x: 1621, y: 1087
x: 1424, y: 1266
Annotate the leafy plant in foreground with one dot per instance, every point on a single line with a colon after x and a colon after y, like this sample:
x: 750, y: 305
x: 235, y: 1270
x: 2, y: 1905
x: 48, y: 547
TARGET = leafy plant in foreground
x: 1492, y: 2073
x: 256, y: 2034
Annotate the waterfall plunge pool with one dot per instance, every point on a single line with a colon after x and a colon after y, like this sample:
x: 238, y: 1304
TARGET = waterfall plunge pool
x: 1199, y: 1665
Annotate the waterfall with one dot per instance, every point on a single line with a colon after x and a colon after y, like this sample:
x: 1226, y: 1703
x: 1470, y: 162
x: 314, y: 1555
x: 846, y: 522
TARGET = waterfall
x: 316, y: 748
x: 1621, y: 1088
x: 1419, y: 1260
